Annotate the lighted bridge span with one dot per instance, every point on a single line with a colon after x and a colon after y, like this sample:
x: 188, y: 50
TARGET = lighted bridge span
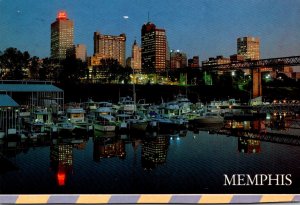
x: 249, y: 64
x: 270, y: 62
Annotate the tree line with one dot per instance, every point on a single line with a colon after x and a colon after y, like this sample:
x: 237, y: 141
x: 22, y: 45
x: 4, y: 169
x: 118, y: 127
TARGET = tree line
x: 18, y: 65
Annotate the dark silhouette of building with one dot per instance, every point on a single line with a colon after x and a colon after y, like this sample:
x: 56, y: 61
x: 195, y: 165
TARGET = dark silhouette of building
x: 194, y: 62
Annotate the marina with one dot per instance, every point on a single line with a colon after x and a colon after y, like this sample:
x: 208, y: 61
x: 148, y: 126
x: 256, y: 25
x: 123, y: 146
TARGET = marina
x: 142, y: 146
x: 146, y: 102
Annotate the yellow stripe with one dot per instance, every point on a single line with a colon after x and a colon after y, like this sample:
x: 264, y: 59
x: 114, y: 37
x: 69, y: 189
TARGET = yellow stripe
x: 215, y: 198
x: 88, y: 199
x: 277, y: 198
x: 149, y: 198
x: 32, y: 199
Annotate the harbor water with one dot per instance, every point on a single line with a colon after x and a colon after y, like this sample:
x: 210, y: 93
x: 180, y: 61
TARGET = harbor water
x: 181, y: 162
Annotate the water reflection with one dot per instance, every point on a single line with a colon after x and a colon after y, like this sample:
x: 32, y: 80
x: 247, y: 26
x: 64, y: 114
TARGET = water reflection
x: 143, y: 162
x: 107, y: 147
x: 278, y: 121
x: 61, y: 161
x: 154, y: 151
x: 249, y: 146
x: 258, y: 125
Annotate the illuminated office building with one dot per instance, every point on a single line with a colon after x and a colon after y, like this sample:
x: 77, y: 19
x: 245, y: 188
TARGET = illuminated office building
x: 178, y: 59
x: 249, y: 48
x: 62, y: 36
x: 136, y: 58
x: 219, y: 60
x: 80, y: 52
x: 108, y: 46
x: 154, y: 47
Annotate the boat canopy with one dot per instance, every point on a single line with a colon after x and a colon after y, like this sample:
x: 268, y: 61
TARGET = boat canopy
x: 75, y: 110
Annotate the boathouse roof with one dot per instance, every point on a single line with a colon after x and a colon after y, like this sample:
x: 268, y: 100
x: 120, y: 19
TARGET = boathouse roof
x: 7, y: 101
x: 29, y: 88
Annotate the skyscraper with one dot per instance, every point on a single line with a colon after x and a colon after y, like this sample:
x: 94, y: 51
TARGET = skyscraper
x: 80, y: 52
x: 153, y: 47
x: 62, y: 36
x: 249, y: 48
x: 178, y: 59
x: 136, y: 61
x: 108, y: 46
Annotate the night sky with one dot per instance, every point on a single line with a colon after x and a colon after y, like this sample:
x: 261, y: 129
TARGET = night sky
x: 197, y: 27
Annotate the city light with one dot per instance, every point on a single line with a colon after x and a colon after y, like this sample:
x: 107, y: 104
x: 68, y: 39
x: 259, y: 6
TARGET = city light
x: 62, y: 15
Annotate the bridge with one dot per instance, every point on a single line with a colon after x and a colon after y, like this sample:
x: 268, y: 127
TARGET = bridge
x: 262, y: 63
x: 256, y: 67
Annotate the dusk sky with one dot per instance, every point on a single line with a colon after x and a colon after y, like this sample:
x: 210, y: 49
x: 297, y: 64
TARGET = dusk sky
x: 197, y: 27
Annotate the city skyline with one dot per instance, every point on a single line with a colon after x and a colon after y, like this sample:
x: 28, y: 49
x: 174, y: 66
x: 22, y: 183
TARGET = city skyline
x: 203, y: 28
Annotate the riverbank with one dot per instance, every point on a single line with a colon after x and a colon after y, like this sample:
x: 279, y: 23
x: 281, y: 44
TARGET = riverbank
x: 157, y: 93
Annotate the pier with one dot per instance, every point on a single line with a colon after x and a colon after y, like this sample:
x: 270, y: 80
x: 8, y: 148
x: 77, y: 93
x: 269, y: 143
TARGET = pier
x: 279, y: 107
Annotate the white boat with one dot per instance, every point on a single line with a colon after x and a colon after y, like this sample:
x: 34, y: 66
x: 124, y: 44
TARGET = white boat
x: 76, y: 115
x: 66, y: 126
x: 122, y: 121
x: 214, y: 107
x: 43, y: 116
x: 126, y: 104
x: 90, y: 105
x: 105, y: 123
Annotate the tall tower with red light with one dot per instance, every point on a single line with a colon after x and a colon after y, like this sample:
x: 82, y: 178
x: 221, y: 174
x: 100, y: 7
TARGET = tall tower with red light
x: 62, y: 36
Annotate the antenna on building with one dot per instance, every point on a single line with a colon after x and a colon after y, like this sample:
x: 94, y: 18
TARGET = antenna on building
x: 148, y: 17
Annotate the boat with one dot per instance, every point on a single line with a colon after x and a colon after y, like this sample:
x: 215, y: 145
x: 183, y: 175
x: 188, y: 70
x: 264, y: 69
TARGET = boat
x: 90, y: 105
x: 43, y: 116
x: 137, y: 124
x: 76, y: 115
x: 209, y: 118
x: 105, y: 123
x: 127, y: 105
x: 122, y: 122
x: 166, y: 123
x: 104, y: 120
x: 65, y: 126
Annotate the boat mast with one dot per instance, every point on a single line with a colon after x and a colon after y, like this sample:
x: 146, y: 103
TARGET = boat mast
x: 133, y: 90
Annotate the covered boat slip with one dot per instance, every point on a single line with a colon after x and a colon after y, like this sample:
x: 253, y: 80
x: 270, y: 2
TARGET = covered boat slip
x: 8, y: 115
x: 34, y: 94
